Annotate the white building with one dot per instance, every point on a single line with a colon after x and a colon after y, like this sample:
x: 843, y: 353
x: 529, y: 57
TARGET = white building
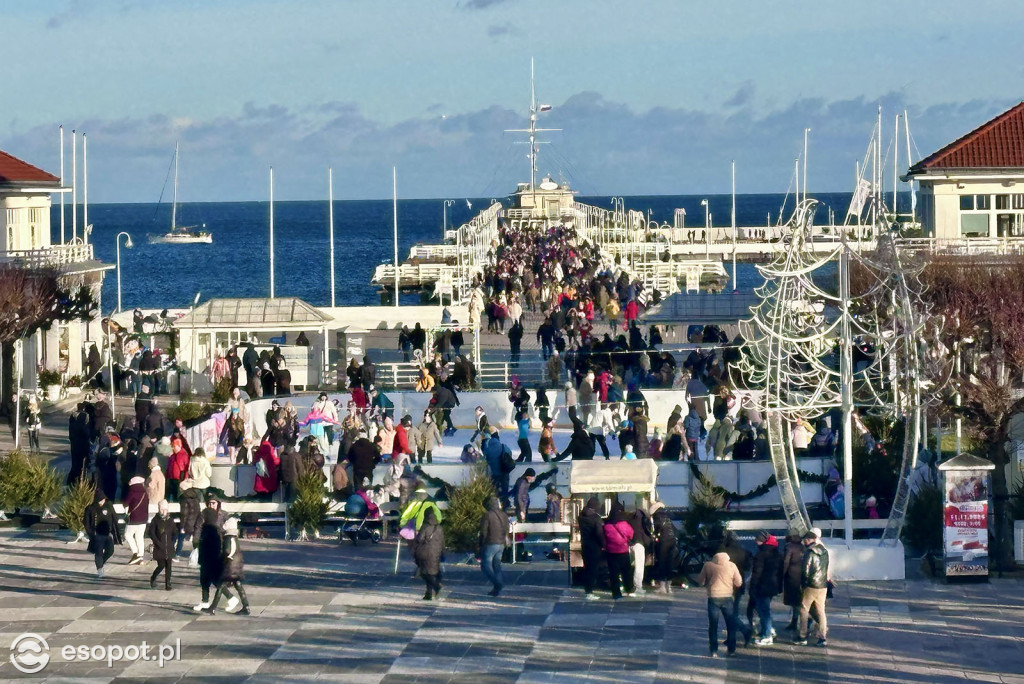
x: 974, y: 186
x: 25, y: 238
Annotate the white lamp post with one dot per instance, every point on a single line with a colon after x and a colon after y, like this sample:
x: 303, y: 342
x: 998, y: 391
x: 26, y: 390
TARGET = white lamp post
x: 129, y: 245
x: 444, y: 217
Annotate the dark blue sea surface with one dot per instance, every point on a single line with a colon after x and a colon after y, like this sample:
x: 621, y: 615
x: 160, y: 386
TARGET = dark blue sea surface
x: 237, y: 263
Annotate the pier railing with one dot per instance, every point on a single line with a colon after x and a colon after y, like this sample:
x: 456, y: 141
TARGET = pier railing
x: 998, y: 246
x: 490, y: 375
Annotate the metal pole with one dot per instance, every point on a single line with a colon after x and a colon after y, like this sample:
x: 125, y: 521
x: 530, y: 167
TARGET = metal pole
x: 846, y: 372
x: 117, y: 243
x: 85, y: 192
x: 110, y: 367
x: 62, y: 236
x: 17, y: 392
x: 735, y: 286
x: 906, y: 131
x: 959, y: 421
x: 394, y: 211
x: 806, y: 131
x: 896, y: 171
x: 271, y: 233
x: 74, y: 185
x: 330, y: 214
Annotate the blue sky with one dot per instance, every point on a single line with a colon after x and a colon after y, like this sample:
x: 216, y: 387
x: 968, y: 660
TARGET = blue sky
x: 654, y: 96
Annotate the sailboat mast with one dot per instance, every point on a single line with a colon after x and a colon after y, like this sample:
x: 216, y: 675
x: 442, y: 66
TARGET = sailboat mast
x: 895, y: 166
x: 63, y: 238
x: 174, y: 201
x: 913, y: 198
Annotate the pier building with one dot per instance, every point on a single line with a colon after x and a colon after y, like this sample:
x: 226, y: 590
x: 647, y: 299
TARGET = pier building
x: 973, y: 188
x: 26, y: 193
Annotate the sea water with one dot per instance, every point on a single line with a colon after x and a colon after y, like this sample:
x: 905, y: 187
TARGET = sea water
x: 237, y: 264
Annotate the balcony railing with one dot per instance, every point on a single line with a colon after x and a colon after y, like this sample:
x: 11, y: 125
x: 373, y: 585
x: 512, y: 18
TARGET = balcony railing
x: 56, y: 255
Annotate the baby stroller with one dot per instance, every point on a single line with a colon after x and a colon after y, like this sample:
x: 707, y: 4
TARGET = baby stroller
x: 362, y: 519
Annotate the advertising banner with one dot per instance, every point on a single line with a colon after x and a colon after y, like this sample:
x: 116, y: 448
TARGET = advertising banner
x: 966, y: 523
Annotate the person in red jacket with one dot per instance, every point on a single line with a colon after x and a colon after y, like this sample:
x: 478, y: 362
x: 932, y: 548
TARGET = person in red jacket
x: 631, y: 313
x: 401, y: 444
x: 617, y: 535
x: 177, y: 468
x: 267, y: 463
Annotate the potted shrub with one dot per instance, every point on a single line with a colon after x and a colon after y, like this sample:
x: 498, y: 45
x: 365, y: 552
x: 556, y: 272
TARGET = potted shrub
x: 74, y: 385
x: 309, y: 510
x: 28, y: 483
x: 71, y: 510
x: 49, y: 381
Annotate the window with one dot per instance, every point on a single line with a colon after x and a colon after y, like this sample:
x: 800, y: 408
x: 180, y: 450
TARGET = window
x: 1002, y: 202
x: 974, y: 225
x: 1018, y: 201
x: 966, y: 202
x: 982, y: 202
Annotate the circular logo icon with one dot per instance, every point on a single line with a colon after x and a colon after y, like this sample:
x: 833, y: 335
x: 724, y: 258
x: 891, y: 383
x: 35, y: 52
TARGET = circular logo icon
x: 30, y: 653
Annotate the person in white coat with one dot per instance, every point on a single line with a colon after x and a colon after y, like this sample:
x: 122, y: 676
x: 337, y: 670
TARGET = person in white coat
x: 601, y: 425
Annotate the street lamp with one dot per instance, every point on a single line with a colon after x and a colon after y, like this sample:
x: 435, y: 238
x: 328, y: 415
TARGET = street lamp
x: 192, y: 355
x: 707, y: 228
x: 117, y: 243
x: 444, y: 217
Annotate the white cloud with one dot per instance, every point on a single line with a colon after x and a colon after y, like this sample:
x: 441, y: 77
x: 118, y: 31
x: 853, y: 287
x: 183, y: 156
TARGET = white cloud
x: 606, y: 147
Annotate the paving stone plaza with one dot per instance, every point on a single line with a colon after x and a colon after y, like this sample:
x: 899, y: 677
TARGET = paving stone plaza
x: 324, y: 612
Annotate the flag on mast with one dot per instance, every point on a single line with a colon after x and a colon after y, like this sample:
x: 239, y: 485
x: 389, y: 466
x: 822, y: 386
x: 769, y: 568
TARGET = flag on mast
x: 860, y: 196
x: 543, y: 108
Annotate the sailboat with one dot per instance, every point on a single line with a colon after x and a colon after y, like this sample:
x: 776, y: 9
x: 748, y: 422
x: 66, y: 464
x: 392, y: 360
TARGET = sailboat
x: 180, y: 235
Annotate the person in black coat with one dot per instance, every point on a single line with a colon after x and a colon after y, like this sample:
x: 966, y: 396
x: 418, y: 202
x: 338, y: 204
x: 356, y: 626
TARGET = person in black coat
x: 428, y: 546
x: 363, y: 456
x: 765, y: 582
x: 210, y: 561
x: 107, y: 464
x: 591, y: 544
x: 664, y: 548
x: 792, y: 569
x: 673, y: 448
x: 232, y: 572
x: 164, y: 533
x: 100, y: 524
x: 79, y: 434
x: 580, y: 445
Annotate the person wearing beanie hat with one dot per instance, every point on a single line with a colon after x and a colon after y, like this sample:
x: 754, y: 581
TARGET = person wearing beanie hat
x: 231, y: 574
x: 522, y: 493
x: 664, y: 548
x: 163, y: 531
x: 493, y: 537
x: 553, y: 503
x: 765, y: 583
x: 136, y: 505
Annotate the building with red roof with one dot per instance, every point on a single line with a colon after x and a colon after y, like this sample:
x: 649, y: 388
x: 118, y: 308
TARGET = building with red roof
x: 974, y: 186
x: 25, y: 240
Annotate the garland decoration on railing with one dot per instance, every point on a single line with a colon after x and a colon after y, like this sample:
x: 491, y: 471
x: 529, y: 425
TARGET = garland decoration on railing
x: 760, y: 490
x: 444, y: 487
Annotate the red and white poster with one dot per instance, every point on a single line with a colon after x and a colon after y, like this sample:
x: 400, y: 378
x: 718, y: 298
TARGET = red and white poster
x: 966, y: 523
